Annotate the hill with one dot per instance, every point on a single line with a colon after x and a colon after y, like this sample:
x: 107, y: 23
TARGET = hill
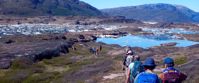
x: 46, y: 7
x: 156, y: 12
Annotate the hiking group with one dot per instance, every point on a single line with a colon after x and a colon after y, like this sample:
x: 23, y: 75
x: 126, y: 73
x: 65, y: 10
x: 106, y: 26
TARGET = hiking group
x: 95, y: 50
x: 138, y: 72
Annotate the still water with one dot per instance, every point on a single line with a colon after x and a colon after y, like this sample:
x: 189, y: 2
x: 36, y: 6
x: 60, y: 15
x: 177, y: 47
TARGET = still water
x: 145, y: 41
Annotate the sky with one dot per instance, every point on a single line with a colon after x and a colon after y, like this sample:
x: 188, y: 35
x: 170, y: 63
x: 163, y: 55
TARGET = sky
x: 101, y: 4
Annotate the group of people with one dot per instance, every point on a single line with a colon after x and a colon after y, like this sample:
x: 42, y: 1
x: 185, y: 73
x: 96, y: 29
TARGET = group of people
x: 138, y: 72
x: 95, y: 50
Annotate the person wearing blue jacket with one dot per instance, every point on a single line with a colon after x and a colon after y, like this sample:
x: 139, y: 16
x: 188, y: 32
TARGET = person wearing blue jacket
x: 148, y: 76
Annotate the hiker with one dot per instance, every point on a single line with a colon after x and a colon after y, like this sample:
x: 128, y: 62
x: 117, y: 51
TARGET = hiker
x: 74, y: 48
x: 93, y: 50
x: 134, y: 69
x: 148, y: 76
x: 128, y: 48
x: 127, y: 59
x: 97, y: 51
x: 124, y: 62
x: 170, y: 74
x: 100, y: 48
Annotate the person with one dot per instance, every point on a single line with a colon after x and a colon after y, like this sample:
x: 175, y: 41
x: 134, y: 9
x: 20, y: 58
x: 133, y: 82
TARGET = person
x: 91, y: 50
x: 100, y: 48
x: 170, y: 74
x: 134, y: 69
x: 124, y: 62
x: 148, y: 76
x: 127, y: 59
x: 128, y: 48
x: 97, y: 51
x: 73, y: 47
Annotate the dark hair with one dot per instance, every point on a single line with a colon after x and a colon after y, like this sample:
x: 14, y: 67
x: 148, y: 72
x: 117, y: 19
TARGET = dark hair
x: 170, y: 65
x: 149, y: 67
x: 136, y: 58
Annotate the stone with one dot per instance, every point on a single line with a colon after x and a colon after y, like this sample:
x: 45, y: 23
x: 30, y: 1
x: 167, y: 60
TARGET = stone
x: 5, y: 63
x: 169, y: 44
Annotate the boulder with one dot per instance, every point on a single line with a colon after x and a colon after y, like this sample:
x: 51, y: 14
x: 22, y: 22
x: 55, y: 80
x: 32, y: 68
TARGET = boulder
x: 34, y: 51
x: 169, y: 44
x: 9, y: 41
x: 5, y: 63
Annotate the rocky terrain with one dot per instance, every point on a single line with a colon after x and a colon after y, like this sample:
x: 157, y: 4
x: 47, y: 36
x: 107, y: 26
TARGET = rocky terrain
x: 60, y: 53
x: 64, y: 64
x: 51, y: 41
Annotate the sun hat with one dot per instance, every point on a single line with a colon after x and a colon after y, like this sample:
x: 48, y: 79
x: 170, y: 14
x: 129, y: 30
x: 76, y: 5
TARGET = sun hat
x: 149, y: 62
x: 168, y: 60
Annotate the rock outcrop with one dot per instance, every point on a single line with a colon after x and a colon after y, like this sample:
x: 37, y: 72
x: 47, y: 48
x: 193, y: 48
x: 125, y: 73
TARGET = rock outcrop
x: 169, y: 44
x: 33, y: 51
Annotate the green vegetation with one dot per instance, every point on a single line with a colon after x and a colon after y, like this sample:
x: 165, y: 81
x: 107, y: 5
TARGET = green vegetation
x: 180, y: 60
x: 50, y: 70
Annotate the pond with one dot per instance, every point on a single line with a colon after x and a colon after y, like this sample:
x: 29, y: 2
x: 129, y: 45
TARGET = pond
x: 145, y: 41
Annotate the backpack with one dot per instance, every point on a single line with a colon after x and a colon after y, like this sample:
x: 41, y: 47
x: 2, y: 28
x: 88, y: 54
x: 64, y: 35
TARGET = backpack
x: 172, y: 77
x: 124, y: 60
x: 129, y: 59
x: 137, y: 68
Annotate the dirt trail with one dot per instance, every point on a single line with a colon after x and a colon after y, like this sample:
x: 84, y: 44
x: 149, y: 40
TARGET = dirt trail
x: 113, y: 76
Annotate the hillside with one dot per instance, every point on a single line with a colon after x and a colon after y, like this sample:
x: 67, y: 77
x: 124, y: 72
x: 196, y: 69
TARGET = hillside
x: 46, y: 7
x: 156, y: 12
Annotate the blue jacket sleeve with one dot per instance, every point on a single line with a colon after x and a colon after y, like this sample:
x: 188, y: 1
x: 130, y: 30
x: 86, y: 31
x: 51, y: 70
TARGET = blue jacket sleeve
x: 136, y: 79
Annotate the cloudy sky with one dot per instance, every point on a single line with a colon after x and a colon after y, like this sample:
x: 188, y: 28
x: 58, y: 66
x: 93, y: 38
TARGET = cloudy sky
x: 100, y: 4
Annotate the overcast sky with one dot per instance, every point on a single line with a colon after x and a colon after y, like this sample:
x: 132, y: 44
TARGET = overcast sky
x: 101, y: 4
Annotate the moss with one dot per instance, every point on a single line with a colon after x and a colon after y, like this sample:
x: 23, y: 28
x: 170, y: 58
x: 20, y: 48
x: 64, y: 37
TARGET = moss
x: 78, y: 65
x: 80, y: 81
x: 42, y: 78
x: 51, y: 70
x: 15, y: 76
x: 57, y: 61
x: 38, y: 68
x: 2, y: 73
x: 21, y: 63
x: 180, y: 60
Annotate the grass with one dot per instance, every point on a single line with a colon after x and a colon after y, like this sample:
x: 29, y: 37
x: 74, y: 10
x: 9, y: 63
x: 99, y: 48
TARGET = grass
x: 180, y: 60
x: 15, y: 76
x: 46, y: 77
x: 21, y: 64
x: 50, y: 70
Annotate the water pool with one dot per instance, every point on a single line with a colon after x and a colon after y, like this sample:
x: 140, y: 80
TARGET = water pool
x: 144, y: 42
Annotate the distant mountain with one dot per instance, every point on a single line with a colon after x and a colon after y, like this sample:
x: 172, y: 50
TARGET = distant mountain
x: 155, y: 12
x: 46, y: 7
